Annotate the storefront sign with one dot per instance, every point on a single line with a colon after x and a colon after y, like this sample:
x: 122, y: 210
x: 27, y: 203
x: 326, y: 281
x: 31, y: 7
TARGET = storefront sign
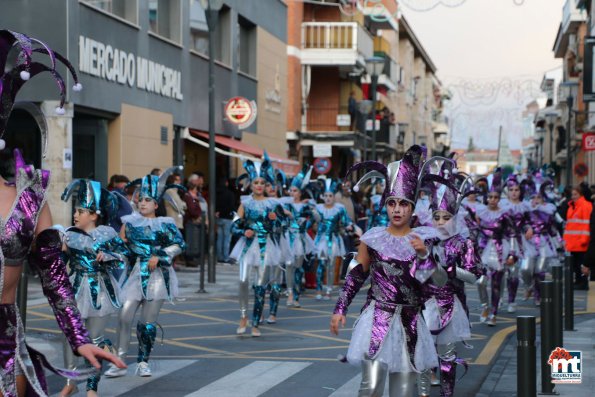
x: 343, y: 120
x: 588, y: 142
x: 273, y: 96
x: 322, y: 165
x: 322, y: 150
x: 240, y: 111
x: 118, y: 66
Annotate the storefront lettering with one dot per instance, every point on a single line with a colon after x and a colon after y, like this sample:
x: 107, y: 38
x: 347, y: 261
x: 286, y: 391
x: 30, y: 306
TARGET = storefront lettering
x: 115, y: 65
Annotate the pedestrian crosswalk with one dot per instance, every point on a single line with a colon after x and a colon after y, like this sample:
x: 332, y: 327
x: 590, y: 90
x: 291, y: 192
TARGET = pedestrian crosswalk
x: 251, y: 379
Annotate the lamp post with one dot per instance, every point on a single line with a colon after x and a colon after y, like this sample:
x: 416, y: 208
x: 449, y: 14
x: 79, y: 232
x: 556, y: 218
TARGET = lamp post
x: 212, y: 8
x: 374, y: 67
x: 539, y: 140
x: 569, y: 102
x: 550, y: 119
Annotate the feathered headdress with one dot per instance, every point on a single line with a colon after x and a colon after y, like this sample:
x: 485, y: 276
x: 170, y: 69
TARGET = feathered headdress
x: 329, y: 185
x: 302, y: 179
x: 400, y: 176
x: 13, y: 78
x: 154, y: 186
x: 89, y: 194
x: 257, y: 169
x: 495, y: 181
x: 446, y: 184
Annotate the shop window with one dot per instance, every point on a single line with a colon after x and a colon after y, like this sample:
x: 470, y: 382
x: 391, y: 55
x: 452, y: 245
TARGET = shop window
x: 165, y: 18
x: 125, y: 9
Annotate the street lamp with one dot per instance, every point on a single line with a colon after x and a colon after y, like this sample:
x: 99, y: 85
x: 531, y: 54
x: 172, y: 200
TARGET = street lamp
x: 569, y: 102
x: 550, y: 118
x: 374, y: 67
x: 540, y: 132
x: 212, y: 8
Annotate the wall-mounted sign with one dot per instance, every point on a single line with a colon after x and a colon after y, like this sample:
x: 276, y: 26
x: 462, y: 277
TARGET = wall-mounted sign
x: 343, y: 120
x: 273, y: 96
x: 322, y: 150
x: 240, y: 111
x: 322, y: 165
x: 118, y: 66
x: 589, y: 142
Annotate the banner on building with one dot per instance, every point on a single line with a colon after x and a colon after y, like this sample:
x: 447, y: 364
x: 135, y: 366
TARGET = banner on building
x: 588, y: 71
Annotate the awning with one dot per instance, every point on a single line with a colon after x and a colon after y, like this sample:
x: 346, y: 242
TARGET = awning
x: 290, y: 167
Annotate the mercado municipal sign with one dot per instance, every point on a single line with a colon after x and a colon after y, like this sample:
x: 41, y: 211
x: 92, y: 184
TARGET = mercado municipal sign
x: 115, y: 65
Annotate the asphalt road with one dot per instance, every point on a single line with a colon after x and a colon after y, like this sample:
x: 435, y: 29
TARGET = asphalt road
x: 200, y: 355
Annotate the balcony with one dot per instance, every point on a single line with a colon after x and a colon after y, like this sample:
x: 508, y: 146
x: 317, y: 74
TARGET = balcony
x: 335, y: 43
x: 572, y: 17
x: 334, y: 119
x: 391, y: 73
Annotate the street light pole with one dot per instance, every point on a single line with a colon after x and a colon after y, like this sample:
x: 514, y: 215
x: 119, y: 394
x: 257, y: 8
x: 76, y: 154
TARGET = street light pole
x: 551, y: 125
x: 569, y: 102
x: 374, y: 78
x: 212, y: 14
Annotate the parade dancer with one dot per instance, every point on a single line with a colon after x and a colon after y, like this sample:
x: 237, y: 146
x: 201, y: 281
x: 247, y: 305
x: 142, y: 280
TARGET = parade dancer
x: 93, y: 252
x: 300, y: 242
x: 25, y: 216
x: 329, y: 242
x: 546, y: 238
x: 378, y: 215
x: 279, y: 229
x: 519, y: 214
x: 446, y: 312
x: 390, y: 338
x: 255, y: 250
x: 153, y: 242
x: 495, y: 239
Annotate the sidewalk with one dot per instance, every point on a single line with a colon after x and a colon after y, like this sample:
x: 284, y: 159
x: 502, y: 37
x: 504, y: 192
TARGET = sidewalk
x: 502, y: 379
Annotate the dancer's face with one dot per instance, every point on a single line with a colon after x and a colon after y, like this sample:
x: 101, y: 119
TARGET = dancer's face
x: 295, y: 193
x: 399, y: 212
x: 514, y: 193
x: 147, y: 206
x: 84, y: 219
x: 440, y: 218
x: 472, y: 197
x: 257, y: 186
x: 328, y: 198
x: 493, y: 200
x: 536, y: 200
x: 270, y: 190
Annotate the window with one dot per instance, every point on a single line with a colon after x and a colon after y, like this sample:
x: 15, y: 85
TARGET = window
x: 125, y: 9
x: 199, y: 31
x: 247, y: 50
x: 165, y: 18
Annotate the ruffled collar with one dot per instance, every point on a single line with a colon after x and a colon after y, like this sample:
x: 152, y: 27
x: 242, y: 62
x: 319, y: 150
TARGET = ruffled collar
x: 397, y: 247
x: 137, y: 220
x: 486, y: 214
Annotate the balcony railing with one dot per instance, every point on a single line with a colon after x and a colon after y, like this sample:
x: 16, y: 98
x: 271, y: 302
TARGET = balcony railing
x: 335, y: 43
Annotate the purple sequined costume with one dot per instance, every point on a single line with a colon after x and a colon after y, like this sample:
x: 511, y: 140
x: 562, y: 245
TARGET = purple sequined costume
x: 390, y: 328
x: 18, y: 233
x: 496, y: 233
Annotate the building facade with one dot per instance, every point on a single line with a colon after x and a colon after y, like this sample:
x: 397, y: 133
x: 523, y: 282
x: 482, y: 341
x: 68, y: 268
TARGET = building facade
x: 144, y: 68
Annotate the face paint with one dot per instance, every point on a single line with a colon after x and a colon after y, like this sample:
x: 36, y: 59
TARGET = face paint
x: 399, y: 212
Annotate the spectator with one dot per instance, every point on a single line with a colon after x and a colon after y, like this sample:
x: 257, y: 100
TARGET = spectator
x: 352, y: 109
x: 588, y: 268
x: 192, y: 221
x: 224, y: 208
x: 118, y: 183
x: 175, y: 207
x: 577, y: 234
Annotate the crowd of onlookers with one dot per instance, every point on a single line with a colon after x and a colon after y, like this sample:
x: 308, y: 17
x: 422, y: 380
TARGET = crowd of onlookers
x: 189, y: 209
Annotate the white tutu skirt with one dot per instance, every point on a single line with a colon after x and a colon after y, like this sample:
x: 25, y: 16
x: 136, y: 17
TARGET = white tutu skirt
x: 337, y: 248
x: 285, y: 252
x: 84, y: 301
x: 529, y: 250
x: 299, y: 247
x: 457, y: 330
x: 156, y: 289
x: 548, y: 246
x: 490, y: 258
x: 393, y: 351
x: 272, y: 254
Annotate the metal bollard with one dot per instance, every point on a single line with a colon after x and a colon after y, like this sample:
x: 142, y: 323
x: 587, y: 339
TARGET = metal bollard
x: 568, y: 294
x: 557, y: 304
x: 547, y: 336
x: 201, y: 238
x: 526, y: 377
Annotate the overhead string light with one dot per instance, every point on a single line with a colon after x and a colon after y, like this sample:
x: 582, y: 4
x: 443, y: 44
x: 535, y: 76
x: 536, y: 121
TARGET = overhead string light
x: 429, y: 5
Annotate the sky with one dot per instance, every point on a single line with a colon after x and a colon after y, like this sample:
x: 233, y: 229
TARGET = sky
x: 491, y: 55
